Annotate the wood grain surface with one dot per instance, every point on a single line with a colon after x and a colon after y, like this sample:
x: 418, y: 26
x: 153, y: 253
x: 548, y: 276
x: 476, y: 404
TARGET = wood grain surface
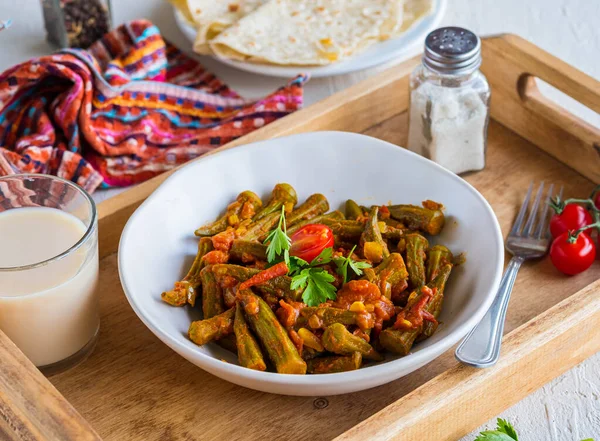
x: 31, y: 409
x: 135, y: 388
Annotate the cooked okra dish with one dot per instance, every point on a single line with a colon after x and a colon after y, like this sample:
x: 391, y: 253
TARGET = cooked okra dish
x: 299, y: 289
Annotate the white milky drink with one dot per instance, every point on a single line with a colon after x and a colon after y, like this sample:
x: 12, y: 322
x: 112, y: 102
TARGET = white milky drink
x: 50, y: 310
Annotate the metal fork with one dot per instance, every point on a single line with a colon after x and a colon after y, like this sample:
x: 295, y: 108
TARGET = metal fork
x: 481, y: 347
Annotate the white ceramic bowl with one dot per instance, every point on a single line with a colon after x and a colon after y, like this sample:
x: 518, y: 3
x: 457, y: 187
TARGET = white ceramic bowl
x: 158, y: 244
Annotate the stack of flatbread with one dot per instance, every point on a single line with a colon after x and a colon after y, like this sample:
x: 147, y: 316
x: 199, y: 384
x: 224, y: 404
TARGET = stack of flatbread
x: 298, y: 32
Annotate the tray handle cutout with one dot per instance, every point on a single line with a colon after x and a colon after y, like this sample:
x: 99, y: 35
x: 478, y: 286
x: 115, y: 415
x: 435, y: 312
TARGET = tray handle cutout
x: 528, y: 111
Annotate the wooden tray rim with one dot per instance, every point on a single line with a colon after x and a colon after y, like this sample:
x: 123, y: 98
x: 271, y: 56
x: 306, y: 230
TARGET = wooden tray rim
x: 32, y: 406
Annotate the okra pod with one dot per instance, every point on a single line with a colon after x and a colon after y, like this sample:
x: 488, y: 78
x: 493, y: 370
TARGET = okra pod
x: 416, y: 252
x: 248, y: 251
x: 322, y: 317
x: 389, y: 275
x: 351, y: 230
x: 186, y: 290
x: 309, y: 353
x: 401, y: 341
x: 212, y: 296
x: 214, y: 328
x: 242, y: 208
x: 330, y: 365
x: 342, y: 242
x: 314, y: 205
x: 259, y: 228
x: 278, y: 286
x: 249, y: 353
x: 228, y: 342
x: 310, y: 340
x: 339, y: 340
x: 374, y: 247
x: 390, y: 232
x: 430, y: 221
x: 282, y: 194
x: 272, y: 335
x: 429, y: 328
x: 438, y: 256
x: 322, y: 219
x: 353, y: 210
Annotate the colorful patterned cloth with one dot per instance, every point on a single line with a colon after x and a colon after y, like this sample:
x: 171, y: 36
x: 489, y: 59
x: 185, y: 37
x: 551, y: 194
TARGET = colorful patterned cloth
x: 129, y: 108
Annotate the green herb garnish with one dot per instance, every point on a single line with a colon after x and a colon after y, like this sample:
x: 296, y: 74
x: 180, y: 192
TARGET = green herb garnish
x: 504, y: 432
x: 279, y: 242
x: 317, y: 285
x: 316, y: 282
x: 343, y: 263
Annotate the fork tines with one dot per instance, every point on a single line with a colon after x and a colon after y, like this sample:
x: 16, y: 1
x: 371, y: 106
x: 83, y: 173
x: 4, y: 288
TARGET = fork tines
x: 542, y: 229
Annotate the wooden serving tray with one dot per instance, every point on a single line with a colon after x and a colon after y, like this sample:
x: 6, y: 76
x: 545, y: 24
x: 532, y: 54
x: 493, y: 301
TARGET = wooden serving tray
x: 133, y: 387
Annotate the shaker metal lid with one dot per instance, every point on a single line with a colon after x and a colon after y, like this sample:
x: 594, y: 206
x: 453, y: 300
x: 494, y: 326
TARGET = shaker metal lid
x: 452, y: 50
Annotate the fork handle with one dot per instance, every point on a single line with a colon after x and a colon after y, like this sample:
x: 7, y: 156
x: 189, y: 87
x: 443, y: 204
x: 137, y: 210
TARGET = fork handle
x: 481, y: 347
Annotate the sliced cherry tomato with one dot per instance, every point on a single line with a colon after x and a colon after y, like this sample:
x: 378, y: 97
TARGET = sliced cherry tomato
x: 310, y: 240
x: 572, y: 258
x: 572, y: 218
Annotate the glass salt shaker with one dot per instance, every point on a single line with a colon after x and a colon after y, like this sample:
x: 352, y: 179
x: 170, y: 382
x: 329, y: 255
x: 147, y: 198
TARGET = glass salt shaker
x: 76, y: 23
x: 449, y: 101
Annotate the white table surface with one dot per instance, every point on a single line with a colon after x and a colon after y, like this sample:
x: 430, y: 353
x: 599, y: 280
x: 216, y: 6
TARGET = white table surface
x: 568, y: 408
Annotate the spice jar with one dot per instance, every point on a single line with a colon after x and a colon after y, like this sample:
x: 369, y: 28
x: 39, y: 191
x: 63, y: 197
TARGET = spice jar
x: 76, y: 23
x: 449, y: 101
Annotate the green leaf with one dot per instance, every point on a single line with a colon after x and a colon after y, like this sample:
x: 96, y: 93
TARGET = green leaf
x: 493, y: 435
x: 300, y: 280
x: 357, y: 267
x: 295, y: 264
x: 278, y: 240
x: 504, y: 432
x: 318, y: 288
x: 342, y: 267
x: 343, y: 263
x: 323, y: 257
x: 505, y: 427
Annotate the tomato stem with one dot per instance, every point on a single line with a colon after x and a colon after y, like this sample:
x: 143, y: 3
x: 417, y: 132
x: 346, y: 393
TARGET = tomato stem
x: 588, y: 202
x: 594, y: 191
x: 573, y: 235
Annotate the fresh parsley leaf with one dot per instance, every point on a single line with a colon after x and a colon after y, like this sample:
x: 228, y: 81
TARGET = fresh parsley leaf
x: 493, y: 435
x: 505, y: 427
x: 301, y: 279
x: 323, y: 257
x: 343, y: 263
x: 318, y: 286
x: 342, y: 267
x: 278, y: 240
x: 504, y: 432
x: 357, y: 267
x: 296, y: 264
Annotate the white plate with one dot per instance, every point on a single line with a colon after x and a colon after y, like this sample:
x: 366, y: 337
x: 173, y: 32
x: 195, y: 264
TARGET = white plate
x: 380, y: 53
x: 158, y: 244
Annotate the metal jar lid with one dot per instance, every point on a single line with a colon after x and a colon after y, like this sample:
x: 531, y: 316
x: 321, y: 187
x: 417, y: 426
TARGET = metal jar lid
x: 452, y: 50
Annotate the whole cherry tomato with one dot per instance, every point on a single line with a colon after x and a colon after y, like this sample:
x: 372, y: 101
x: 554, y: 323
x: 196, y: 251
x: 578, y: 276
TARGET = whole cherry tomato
x: 572, y: 218
x: 572, y: 258
x: 597, y: 200
x: 310, y: 240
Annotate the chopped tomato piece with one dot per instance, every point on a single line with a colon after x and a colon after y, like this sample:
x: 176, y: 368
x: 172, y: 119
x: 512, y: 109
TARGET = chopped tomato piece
x: 310, y: 240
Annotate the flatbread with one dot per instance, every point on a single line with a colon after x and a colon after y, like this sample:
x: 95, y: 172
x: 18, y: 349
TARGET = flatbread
x: 309, y: 32
x: 414, y: 12
x: 211, y: 17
